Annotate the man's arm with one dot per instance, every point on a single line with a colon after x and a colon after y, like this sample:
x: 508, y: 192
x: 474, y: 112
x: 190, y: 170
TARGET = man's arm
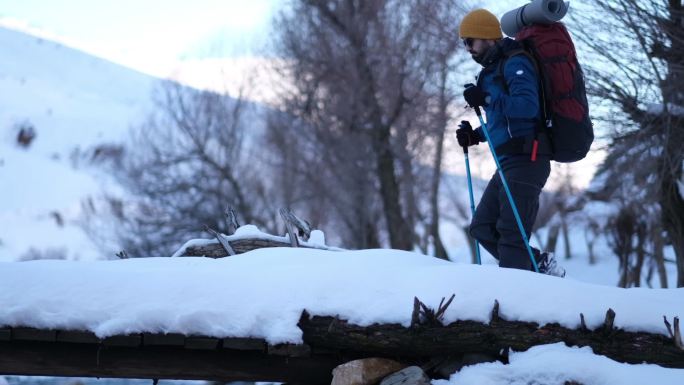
x: 522, y: 100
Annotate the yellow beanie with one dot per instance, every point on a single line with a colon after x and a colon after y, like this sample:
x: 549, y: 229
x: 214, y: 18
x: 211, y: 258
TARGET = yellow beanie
x: 480, y: 24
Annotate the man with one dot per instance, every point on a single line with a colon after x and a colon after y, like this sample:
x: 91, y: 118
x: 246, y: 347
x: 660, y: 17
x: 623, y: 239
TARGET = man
x: 508, y: 90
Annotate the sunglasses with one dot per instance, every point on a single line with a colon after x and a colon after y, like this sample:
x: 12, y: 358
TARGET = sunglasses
x: 468, y: 42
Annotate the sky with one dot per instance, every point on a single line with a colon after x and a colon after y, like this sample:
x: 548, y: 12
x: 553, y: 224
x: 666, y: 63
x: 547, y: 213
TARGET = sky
x: 148, y: 35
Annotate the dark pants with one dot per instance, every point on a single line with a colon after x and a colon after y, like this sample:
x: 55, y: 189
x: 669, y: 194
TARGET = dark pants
x: 494, y: 224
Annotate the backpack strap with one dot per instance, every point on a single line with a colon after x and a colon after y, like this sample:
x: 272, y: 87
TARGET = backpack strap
x: 520, y: 51
x: 540, y: 135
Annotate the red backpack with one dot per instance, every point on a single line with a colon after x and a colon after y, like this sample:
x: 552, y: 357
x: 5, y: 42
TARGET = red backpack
x: 565, y: 109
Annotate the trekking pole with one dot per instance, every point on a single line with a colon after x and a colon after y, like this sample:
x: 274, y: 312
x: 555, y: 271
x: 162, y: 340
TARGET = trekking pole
x: 472, y: 201
x: 508, y: 191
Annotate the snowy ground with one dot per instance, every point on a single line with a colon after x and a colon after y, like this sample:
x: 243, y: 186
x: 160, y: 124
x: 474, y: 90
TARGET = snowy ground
x: 557, y: 363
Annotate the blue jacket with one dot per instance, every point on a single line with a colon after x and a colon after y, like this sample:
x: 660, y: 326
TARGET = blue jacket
x: 516, y: 113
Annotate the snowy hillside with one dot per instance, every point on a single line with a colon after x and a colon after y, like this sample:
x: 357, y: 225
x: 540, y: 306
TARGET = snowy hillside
x: 73, y: 101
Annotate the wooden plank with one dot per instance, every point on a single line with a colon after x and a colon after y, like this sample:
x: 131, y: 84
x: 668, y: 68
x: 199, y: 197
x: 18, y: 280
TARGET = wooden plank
x: 290, y: 350
x: 238, y: 343
x: 77, y: 336
x: 221, y: 239
x: 163, y: 339
x: 131, y: 340
x: 33, y: 334
x: 201, y: 343
x: 161, y: 362
x: 5, y: 334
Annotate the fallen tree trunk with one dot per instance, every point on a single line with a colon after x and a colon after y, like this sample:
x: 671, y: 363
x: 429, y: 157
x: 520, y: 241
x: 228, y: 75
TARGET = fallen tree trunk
x: 216, y: 250
x: 495, y: 338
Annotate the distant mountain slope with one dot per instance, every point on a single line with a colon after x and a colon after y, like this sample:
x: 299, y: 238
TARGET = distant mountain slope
x: 58, y: 88
x: 73, y: 101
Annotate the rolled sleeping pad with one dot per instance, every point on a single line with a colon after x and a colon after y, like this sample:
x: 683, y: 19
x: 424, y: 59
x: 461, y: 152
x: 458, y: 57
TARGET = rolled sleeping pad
x: 536, y: 12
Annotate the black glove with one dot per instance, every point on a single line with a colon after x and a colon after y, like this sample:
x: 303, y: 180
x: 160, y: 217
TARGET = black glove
x: 474, y: 96
x: 466, y: 136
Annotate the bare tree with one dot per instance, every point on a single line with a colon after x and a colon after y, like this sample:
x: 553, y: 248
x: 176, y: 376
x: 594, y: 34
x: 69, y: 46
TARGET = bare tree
x: 183, y: 168
x: 554, y: 209
x: 439, y: 17
x: 629, y: 237
x: 369, y: 104
x: 638, y: 51
x: 327, y: 177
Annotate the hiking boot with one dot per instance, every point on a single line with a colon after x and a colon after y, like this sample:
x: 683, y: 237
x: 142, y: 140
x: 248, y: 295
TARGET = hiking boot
x: 547, y: 265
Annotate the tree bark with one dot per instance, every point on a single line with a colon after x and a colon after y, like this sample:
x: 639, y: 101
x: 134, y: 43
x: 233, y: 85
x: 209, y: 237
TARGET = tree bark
x: 671, y: 199
x: 394, y: 340
x: 400, y: 235
x: 440, y: 250
x: 659, y: 256
x: 552, y: 238
x: 566, y: 239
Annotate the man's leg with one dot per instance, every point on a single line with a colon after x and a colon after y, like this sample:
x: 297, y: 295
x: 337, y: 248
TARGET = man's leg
x: 483, y: 226
x: 525, y: 180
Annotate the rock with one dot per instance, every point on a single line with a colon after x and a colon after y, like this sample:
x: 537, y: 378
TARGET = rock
x: 368, y: 371
x: 413, y: 375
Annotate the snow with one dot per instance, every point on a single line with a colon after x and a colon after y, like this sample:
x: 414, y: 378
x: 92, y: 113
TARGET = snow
x: 75, y: 101
x: 248, y: 231
x: 557, y: 363
x: 71, y: 97
x: 317, y: 238
x: 262, y: 293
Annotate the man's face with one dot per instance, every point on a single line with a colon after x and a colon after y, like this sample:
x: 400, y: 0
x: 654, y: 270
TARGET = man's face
x: 477, y: 48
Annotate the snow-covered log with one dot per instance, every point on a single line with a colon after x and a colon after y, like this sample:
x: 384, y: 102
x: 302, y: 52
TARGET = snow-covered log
x: 227, y: 319
x: 494, y: 338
